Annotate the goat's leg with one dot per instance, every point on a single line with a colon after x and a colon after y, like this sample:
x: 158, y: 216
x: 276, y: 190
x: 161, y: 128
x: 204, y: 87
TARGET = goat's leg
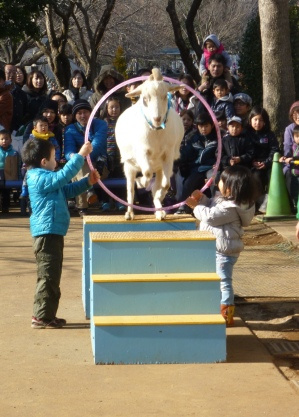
x: 130, y: 174
x: 159, y: 193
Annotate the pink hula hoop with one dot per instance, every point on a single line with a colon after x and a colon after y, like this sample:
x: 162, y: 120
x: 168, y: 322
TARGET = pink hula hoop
x: 174, y: 81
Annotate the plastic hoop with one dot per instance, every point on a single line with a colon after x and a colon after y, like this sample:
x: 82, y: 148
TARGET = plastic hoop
x: 174, y: 81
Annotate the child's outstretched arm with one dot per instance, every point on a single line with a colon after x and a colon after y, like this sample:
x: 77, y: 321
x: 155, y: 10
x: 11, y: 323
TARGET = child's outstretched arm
x: 93, y: 177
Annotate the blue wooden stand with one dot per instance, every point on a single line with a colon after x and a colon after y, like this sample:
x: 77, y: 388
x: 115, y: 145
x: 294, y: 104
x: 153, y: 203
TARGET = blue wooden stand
x: 154, y: 296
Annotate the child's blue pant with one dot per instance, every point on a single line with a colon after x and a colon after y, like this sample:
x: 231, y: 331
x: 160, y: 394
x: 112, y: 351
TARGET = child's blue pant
x: 224, y: 268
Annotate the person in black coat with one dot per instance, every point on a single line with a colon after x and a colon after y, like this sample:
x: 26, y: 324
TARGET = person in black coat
x: 237, y: 146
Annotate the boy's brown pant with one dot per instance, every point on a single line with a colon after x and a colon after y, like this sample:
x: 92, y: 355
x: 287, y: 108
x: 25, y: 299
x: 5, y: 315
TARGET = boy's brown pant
x: 48, y: 250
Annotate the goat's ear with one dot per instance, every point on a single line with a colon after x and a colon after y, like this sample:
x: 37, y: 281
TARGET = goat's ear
x: 175, y: 87
x: 134, y: 93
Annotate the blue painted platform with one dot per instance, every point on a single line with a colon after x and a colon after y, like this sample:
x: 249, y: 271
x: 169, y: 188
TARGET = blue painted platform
x: 186, y: 339
x: 155, y: 297
x: 117, y: 223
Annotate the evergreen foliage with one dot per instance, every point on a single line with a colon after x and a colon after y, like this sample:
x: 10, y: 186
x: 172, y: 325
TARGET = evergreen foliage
x: 120, y: 62
x: 18, y: 18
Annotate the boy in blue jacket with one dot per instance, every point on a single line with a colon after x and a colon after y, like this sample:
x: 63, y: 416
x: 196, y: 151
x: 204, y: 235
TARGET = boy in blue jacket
x: 49, y: 191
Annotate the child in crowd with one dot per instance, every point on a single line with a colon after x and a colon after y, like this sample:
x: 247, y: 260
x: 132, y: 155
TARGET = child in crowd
x: 237, y: 146
x: 242, y: 105
x: 111, y: 113
x: 225, y: 216
x: 212, y: 46
x: 222, y: 122
x: 65, y: 119
x: 199, y: 156
x: 223, y: 99
x: 265, y: 145
x: 184, y: 99
x: 40, y: 131
x: 292, y: 163
x: 288, y: 142
x: 9, y: 166
x: 49, y: 221
x: 181, y: 169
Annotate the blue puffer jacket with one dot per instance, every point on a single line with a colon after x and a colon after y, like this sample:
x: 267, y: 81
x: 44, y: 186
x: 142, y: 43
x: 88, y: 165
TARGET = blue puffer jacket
x: 74, y: 139
x: 49, y: 192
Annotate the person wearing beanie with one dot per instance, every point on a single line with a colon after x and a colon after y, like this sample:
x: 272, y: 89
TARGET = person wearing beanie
x: 74, y: 137
x: 77, y: 88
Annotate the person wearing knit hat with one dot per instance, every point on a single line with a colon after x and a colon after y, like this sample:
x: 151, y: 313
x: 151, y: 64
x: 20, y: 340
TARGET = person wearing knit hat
x: 74, y: 138
x: 49, y: 110
x: 79, y: 105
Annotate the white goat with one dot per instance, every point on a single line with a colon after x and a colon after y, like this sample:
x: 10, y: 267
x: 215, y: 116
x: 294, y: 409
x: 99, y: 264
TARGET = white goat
x: 149, y: 135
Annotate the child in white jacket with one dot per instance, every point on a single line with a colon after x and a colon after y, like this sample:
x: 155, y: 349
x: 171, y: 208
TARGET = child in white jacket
x: 225, y: 216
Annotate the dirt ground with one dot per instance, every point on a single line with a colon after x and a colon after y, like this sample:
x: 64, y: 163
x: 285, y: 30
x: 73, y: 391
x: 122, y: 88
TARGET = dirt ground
x: 275, y: 321
x: 51, y: 373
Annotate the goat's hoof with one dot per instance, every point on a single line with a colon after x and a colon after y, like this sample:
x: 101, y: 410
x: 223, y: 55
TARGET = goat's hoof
x: 160, y: 215
x: 129, y: 216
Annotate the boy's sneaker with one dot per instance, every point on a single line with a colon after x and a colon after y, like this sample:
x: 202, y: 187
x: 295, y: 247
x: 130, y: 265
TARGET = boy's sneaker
x: 47, y: 324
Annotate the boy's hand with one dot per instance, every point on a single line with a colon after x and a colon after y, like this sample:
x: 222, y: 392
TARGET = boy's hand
x: 297, y: 231
x: 86, y: 149
x: 93, y: 177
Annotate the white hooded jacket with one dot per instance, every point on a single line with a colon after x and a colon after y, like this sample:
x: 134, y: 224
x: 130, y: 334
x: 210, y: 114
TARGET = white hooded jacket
x: 225, y: 219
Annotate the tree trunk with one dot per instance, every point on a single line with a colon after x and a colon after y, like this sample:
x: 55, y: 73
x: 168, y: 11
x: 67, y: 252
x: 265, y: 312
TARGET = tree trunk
x: 180, y: 42
x: 278, y: 78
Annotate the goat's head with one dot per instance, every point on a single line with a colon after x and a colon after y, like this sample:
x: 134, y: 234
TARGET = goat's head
x: 154, y: 99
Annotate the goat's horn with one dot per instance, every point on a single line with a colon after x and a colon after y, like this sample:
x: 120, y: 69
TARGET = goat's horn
x: 157, y: 74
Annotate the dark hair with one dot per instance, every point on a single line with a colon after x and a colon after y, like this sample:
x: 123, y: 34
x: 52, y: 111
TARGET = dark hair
x: 2, y: 74
x: 29, y: 84
x: 218, y: 58
x: 40, y: 119
x: 5, y: 132
x: 141, y: 71
x: 65, y: 109
x: 76, y: 72
x: 24, y: 74
x: 295, y: 130
x: 35, y: 150
x: 109, y: 99
x: 57, y: 93
x: 240, y: 183
x: 220, y: 82
x: 188, y: 112
x: 260, y: 111
x: 191, y: 84
x: 204, y: 119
